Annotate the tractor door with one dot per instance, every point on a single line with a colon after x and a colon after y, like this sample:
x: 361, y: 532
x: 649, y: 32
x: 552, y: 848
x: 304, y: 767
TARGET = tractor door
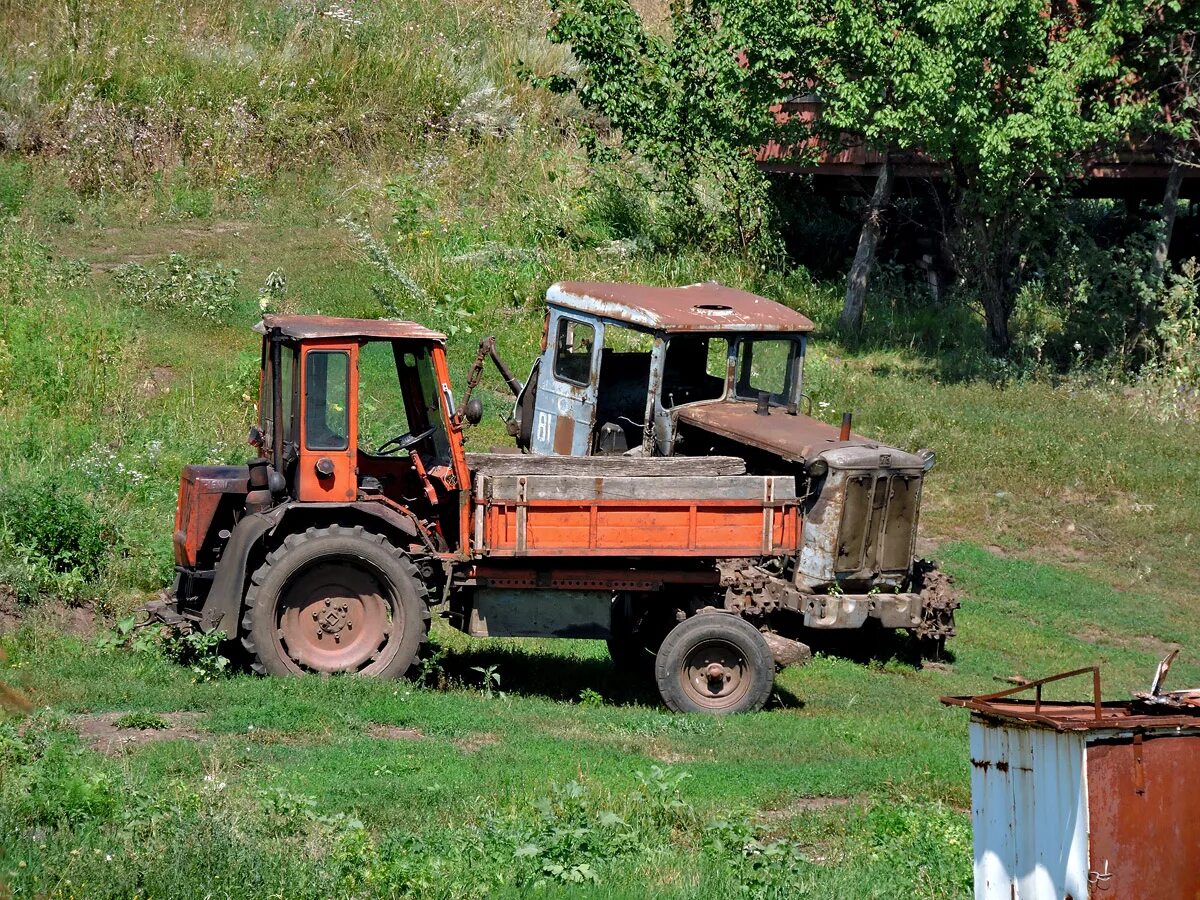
x: 564, y: 418
x: 328, y: 423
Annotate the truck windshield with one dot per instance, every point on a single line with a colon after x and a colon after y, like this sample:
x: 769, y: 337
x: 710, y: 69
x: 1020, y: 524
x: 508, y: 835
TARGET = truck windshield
x: 767, y: 366
x: 696, y: 369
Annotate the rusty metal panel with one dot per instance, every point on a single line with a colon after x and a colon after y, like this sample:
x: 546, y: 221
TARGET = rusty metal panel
x: 1029, y: 813
x: 707, y: 306
x: 307, y: 328
x: 1144, y: 806
x: 797, y: 438
x: 200, y: 492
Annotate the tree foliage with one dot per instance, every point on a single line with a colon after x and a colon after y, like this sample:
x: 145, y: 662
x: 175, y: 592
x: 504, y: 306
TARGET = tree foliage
x: 1012, y: 97
x: 692, y: 103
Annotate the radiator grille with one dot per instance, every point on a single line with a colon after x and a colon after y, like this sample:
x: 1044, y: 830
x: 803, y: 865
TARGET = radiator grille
x: 879, y: 519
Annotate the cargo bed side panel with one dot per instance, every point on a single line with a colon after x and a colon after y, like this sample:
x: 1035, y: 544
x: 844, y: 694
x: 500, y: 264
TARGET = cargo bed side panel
x: 546, y: 515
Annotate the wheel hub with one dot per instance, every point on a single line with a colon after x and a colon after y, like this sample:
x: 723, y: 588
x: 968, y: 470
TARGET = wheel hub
x: 715, y: 672
x: 334, y: 619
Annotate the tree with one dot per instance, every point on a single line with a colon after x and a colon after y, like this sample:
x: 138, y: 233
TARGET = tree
x: 1011, y: 95
x: 694, y: 103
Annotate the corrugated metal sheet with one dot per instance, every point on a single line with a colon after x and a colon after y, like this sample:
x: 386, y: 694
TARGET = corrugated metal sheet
x: 1029, y: 808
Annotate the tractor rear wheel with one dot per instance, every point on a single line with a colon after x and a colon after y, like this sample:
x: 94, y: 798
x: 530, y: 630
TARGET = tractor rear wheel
x: 715, y: 663
x: 335, y: 600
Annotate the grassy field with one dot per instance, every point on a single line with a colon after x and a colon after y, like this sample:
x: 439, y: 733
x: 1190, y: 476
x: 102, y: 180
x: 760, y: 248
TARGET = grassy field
x: 359, y: 160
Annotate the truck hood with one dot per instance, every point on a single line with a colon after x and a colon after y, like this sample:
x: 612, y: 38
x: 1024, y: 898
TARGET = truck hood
x: 796, y: 438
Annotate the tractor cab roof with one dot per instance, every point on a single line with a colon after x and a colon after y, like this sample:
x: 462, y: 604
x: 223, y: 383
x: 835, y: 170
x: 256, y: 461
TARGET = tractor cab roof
x: 704, y: 307
x: 307, y: 328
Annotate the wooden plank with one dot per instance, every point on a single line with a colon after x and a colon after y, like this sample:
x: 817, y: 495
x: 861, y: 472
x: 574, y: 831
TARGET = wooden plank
x: 582, y: 466
x: 532, y: 488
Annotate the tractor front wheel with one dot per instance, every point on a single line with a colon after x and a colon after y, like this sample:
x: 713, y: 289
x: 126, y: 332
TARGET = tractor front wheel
x: 335, y: 600
x: 714, y: 663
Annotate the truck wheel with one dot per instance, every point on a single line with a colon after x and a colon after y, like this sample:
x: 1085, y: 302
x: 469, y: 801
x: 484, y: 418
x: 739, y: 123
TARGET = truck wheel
x: 335, y: 600
x: 715, y: 663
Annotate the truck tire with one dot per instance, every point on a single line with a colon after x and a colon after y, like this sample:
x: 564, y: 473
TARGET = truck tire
x: 335, y: 599
x: 716, y: 663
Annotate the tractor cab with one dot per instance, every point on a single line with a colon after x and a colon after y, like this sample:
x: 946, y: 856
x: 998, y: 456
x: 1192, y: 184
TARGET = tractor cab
x: 357, y: 410
x: 629, y: 368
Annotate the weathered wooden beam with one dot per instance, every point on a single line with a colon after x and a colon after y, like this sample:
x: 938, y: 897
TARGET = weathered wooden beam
x: 697, y: 489
x: 584, y: 466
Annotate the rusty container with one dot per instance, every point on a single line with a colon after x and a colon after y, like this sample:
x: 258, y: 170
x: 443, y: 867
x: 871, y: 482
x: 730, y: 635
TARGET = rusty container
x: 1086, y: 799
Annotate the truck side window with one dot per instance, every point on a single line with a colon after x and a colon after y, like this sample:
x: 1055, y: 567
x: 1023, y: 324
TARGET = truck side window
x: 326, y: 399
x: 573, y: 351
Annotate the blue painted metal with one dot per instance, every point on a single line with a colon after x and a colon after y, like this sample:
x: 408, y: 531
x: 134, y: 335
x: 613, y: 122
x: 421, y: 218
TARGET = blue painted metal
x: 564, y: 418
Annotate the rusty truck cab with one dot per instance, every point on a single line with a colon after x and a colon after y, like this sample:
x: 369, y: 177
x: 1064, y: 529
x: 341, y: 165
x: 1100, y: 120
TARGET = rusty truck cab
x: 623, y: 361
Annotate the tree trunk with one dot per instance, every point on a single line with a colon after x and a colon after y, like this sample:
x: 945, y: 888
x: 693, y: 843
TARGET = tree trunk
x: 996, y: 260
x: 1170, y: 206
x: 864, y: 258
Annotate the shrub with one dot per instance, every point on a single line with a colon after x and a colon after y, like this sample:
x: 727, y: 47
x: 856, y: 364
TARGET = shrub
x: 179, y: 285
x: 55, y: 541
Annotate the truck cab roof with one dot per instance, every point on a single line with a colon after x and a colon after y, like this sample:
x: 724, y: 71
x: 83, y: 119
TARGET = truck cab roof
x: 704, y: 307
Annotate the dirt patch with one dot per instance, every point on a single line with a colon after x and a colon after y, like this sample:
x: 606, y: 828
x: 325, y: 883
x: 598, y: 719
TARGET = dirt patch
x: 81, y: 621
x: 157, y: 382
x: 473, y: 743
x: 101, y: 732
x: 801, y: 805
x: 10, y: 617
x: 395, y: 733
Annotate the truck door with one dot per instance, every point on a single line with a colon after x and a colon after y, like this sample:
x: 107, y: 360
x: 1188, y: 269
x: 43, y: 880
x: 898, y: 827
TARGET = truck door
x: 565, y: 407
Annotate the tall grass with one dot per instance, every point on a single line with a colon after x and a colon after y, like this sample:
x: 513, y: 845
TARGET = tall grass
x: 222, y: 91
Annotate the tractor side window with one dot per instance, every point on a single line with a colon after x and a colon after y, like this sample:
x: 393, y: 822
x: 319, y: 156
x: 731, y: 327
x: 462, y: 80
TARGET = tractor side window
x: 326, y: 399
x: 696, y: 369
x: 765, y: 366
x: 573, y: 351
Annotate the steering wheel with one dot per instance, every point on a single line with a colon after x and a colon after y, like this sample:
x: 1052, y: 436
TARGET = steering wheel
x: 402, y: 442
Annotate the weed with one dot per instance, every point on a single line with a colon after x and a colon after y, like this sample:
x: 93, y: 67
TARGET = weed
x: 491, y: 681
x: 179, y: 285
x: 272, y: 293
x: 590, y: 698
x: 199, y: 651
x: 142, y: 721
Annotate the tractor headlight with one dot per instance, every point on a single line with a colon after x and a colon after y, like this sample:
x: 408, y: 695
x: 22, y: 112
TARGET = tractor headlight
x: 817, y: 468
x: 928, y: 458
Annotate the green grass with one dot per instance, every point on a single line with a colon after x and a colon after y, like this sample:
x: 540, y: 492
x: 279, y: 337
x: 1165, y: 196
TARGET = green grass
x: 466, y: 783
x: 1066, y: 510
